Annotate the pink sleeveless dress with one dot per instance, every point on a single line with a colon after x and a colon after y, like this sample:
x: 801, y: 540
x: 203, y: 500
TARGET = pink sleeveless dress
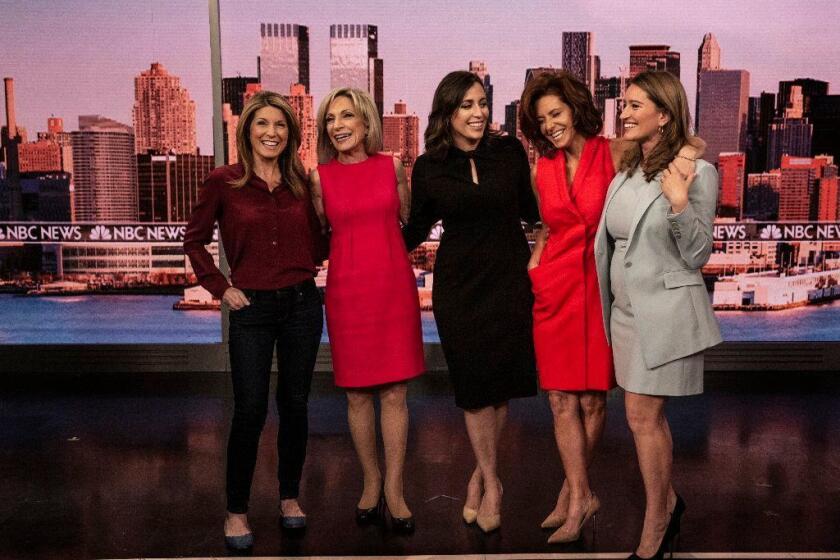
x: 373, y: 311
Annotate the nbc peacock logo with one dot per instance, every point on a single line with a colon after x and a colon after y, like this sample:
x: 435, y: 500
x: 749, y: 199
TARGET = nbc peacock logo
x: 771, y: 231
x: 100, y: 233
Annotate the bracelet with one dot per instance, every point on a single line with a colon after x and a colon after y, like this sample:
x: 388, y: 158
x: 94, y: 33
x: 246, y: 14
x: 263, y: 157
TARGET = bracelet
x: 686, y: 157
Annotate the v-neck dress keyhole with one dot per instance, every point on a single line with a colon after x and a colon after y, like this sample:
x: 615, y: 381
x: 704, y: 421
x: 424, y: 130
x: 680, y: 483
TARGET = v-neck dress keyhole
x: 481, y: 293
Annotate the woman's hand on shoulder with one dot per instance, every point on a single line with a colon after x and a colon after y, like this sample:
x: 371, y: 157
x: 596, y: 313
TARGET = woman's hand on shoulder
x: 235, y: 298
x: 675, y: 185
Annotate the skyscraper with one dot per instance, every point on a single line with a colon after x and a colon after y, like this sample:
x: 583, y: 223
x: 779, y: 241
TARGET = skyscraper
x: 229, y: 124
x: 799, y: 92
x: 106, y: 170
x: 301, y: 103
x: 731, y: 168
x: 401, y: 133
x: 788, y: 136
x: 478, y: 68
x: 724, y: 102
x: 164, y: 113
x: 579, y: 57
x: 168, y: 185
x: 233, y: 92
x: 284, y: 57
x: 761, y: 201
x: 354, y: 60
x: 708, y: 58
x: 825, y: 115
x: 829, y: 196
x: 653, y: 57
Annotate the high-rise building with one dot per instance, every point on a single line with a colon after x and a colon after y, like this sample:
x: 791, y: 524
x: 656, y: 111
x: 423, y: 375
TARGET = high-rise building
x: 301, y: 103
x: 828, y: 193
x: 164, y: 113
x: 229, y: 124
x: 39, y: 157
x: 799, y: 91
x: 708, y: 58
x: 168, y: 185
x: 106, y: 170
x: 579, y: 57
x: 354, y: 60
x: 401, y: 135
x: 724, y: 102
x: 825, y: 116
x: 609, y: 88
x: 233, y: 92
x: 788, y: 136
x: 284, y: 57
x: 46, y: 197
x: 798, y: 200
x: 512, y: 125
x: 761, y: 202
x: 731, y: 169
x: 653, y: 57
x: 478, y: 68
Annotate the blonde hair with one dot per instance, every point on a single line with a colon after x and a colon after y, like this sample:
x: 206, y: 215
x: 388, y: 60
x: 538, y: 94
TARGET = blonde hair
x: 666, y: 92
x: 291, y: 168
x: 365, y: 106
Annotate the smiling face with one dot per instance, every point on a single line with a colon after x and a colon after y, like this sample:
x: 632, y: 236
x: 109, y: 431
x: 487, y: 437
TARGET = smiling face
x: 469, y: 120
x: 345, y: 126
x: 556, y: 121
x: 269, y: 133
x: 641, y: 117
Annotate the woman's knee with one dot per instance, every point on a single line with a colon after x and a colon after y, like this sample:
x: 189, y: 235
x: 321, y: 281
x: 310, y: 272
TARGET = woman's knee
x: 394, y: 396
x: 564, y: 404
x: 359, y: 400
x: 593, y: 404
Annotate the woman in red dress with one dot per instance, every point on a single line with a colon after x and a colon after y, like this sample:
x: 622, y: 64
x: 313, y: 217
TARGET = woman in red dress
x: 373, y: 311
x: 574, y: 361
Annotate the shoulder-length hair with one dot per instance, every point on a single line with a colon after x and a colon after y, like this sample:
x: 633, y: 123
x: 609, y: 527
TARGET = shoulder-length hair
x: 448, y: 96
x: 585, y: 116
x: 666, y: 92
x: 365, y: 106
x: 291, y: 168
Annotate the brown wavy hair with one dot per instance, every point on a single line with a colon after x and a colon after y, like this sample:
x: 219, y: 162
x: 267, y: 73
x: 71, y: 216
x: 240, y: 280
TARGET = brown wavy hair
x: 291, y: 168
x: 667, y: 93
x: 585, y: 116
x: 448, y: 96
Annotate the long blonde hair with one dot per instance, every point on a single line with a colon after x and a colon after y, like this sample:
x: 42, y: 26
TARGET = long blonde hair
x: 667, y: 93
x: 291, y: 168
x: 365, y: 106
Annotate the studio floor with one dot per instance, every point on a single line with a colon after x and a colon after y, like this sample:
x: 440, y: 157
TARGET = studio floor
x: 131, y: 466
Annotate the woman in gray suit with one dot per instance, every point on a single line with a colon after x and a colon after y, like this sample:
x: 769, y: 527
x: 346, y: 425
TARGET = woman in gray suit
x: 654, y: 236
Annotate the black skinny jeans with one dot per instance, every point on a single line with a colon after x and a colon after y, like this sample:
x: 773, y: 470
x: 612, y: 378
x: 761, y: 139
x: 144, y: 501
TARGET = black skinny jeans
x: 292, y: 320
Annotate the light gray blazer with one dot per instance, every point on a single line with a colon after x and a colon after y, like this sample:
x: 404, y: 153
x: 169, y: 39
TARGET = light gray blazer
x: 665, y: 252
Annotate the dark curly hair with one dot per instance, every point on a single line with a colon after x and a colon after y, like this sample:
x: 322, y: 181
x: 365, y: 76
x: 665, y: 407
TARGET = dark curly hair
x: 585, y: 116
x: 448, y: 96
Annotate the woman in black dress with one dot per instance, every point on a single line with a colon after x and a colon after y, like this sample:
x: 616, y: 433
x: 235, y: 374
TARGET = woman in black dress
x: 479, y: 185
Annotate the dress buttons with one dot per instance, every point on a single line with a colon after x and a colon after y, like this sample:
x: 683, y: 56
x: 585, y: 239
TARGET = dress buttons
x: 274, y: 243
x: 628, y: 264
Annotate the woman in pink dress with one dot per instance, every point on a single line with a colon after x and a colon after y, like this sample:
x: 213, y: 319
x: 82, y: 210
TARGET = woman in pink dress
x: 373, y: 312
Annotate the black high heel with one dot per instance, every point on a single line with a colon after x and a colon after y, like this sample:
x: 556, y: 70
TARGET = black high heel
x: 670, y: 535
x: 399, y: 525
x: 371, y: 515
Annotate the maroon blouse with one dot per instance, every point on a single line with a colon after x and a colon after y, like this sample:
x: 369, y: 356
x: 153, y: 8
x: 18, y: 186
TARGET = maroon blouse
x: 271, y: 239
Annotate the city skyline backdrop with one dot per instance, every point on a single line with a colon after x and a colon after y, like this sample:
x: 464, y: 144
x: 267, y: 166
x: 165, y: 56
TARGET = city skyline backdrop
x: 418, y: 42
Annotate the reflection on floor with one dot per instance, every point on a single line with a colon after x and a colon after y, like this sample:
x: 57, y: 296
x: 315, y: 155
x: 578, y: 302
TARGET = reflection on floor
x: 132, y: 466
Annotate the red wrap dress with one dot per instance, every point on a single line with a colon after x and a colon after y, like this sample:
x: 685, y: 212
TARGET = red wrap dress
x: 569, y: 339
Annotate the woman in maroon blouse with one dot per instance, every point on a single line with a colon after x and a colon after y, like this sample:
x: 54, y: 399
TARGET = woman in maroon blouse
x: 270, y: 235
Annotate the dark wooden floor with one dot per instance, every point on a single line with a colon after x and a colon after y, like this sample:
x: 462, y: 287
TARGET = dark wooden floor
x: 132, y: 466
